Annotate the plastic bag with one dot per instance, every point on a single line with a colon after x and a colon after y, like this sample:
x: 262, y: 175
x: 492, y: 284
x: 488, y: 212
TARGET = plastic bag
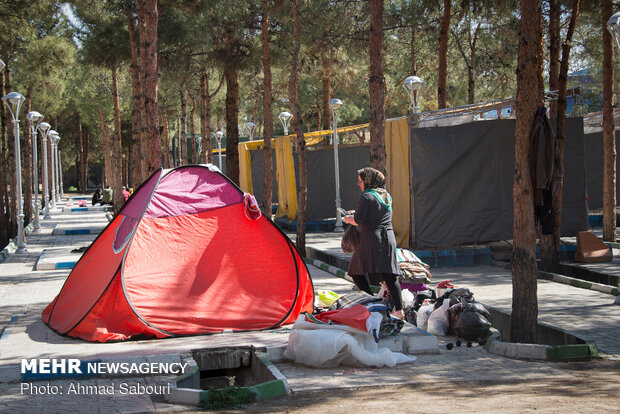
x: 407, y: 298
x: 472, y: 325
x: 438, y: 322
x: 350, y: 238
x: 324, y: 346
x: 423, y: 314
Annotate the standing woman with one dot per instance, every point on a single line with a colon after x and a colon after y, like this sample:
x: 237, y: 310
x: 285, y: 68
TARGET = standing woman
x: 375, y: 259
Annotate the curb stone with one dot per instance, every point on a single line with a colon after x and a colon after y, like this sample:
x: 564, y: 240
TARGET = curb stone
x: 567, y: 280
x: 540, y: 352
x: 584, y: 284
x: 331, y: 269
x: 12, y: 246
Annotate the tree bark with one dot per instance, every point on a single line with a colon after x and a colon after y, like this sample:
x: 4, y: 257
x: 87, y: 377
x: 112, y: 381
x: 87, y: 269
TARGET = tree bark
x: 442, y: 72
x: 107, y: 161
x: 413, y: 56
x: 326, y: 80
x: 10, y: 173
x: 82, y: 180
x: 149, y: 69
x: 232, y: 125
x: 609, y: 133
x: 137, y: 108
x: 183, y: 139
x: 267, y: 110
x: 554, y: 52
x: 165, y: 136
x: 206, y: 153
x: 86, y: 146
x: 550, y: 243
x: 376, y: 86
x: 529, y: 97
x: 5, y: 203
x: 192, y: 129
x: 26, y: 152
x: 302, y: 193
x: 117, y: 168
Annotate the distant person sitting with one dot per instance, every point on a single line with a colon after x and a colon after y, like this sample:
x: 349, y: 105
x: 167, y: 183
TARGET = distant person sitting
x: 107, y: 196
x: 97, y: 197
x: 125, y: 194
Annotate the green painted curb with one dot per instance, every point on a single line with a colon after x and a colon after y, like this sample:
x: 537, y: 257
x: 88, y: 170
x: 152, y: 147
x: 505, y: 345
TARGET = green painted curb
x: 495, y: 336
x: 269, y: 389
x: 583, y: 284
x: 572, y: 352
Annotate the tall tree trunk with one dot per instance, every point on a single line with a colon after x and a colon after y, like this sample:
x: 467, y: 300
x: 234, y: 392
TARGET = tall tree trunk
x: 86, y: 144
x: 26, y: 151
x: 268, y: 132
x: 414, y: 62
x: 442, y: 71
x: 609, y: 133
x: 179, y: 158
x: 149, y: 82
x: 107, y: 141
x: 80, y: 167
x: 165, y: 136
x: 5, y: 203
x: 137, y: 108
x: 232, y: 126
x: 376, y: 86
x: 206, y: 153
x: 550, y: 243
x: 298, y: 126
x: 554, y: 52
x: 529, y: 97
x: 12, y: 179
x: 117, y: 168
x: 192, y: 128
x: 326, y: 80
x: 183, y: 141
x: 547, y: 249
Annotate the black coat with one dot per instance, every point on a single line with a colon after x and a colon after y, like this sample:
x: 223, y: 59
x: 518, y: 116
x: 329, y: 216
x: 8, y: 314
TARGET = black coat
x: 376, y: 250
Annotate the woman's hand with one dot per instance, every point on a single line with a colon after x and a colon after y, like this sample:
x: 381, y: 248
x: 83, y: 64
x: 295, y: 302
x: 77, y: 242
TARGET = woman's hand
x: 349, y: 220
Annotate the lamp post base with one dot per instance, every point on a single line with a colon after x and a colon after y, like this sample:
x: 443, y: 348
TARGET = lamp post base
x: 21, y: 244
x: 338, y: 229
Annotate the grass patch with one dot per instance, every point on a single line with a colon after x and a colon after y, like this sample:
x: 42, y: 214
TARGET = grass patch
x: 230, y: 397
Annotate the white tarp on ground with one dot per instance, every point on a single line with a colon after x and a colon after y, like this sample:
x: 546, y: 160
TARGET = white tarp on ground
x: 324, y: 346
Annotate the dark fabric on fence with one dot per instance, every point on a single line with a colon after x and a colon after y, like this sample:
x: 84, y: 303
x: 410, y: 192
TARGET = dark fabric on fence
x: 322, y: 182
x: 463, y: 178
x: 595, y: 169
x: 258, y: 176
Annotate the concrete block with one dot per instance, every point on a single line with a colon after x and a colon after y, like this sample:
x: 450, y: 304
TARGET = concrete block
x: 276, y: 353
x: 184, y: 396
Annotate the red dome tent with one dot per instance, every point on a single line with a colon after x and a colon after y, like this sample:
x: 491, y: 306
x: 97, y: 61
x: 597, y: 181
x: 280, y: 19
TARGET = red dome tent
x: 187, y: 254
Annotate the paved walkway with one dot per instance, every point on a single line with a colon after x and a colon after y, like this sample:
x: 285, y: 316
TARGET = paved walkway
x: 24, y: 292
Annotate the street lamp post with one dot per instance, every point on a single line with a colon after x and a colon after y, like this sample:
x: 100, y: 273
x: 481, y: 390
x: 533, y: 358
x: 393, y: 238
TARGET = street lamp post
x: 334, y: 105
x: 61, y: 186
x: 33, y: 118
x: 613, y: 25
x: 198, y: 139
x: 53, y: 134
x: 57, y: 161
x: 14, y: 101
x: 250, y: 127
x: 44, y: 128
x: 218, y: 137
x: 285, y: 118
x: 413, y: 85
